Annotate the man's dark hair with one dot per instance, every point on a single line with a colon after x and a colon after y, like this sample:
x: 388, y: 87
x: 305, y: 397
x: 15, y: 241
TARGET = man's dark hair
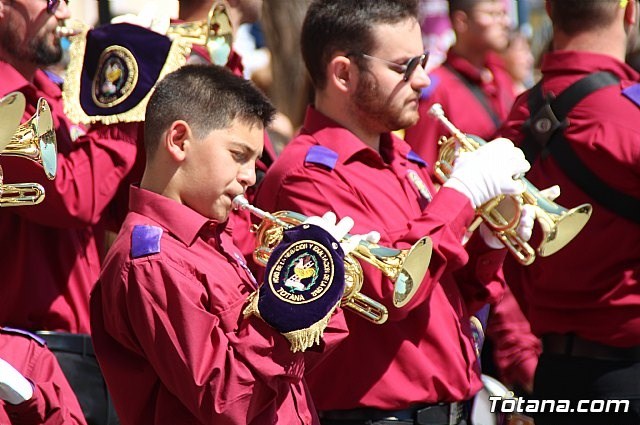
x: 463, y: 5
x: 207, y: 97
x: 576, y: 16
x: 332, y: 26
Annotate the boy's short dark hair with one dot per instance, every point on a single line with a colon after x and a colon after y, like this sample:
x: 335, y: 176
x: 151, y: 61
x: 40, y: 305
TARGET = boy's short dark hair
x: 207, y: 97
x: 331, y: 26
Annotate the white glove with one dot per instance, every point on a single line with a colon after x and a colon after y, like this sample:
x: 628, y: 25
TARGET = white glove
x: 151, y: 16
x: 551, y: 193
x: 341, y: 229
x: 14, y: 388
x: 489, y: 171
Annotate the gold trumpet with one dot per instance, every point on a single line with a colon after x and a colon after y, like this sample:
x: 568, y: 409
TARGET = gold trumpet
x: 216, y: 33
x: 502, y: 213
x: 34, y: 140
x: 406, y: 268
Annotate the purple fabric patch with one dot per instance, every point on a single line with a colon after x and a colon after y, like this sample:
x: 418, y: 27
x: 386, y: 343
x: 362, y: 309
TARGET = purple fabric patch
x: 145, y: 240
x: 414, y: 157
x: 322, y: 156
x: 633, y: 93
x: 22, y: 332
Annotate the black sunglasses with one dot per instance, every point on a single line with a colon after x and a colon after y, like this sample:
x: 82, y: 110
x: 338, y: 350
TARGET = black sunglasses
x: 52, y: 5
x: 406, y: 68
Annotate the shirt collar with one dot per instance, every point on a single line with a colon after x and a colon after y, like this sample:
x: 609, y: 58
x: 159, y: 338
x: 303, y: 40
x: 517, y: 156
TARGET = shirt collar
x: 180, y: 220
x: 334, y: 136
x: 483, y: 75
x: 568, y: 62
x: 14, y: 81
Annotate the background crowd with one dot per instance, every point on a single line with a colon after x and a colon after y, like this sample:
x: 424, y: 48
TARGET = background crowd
x: 129, y: 295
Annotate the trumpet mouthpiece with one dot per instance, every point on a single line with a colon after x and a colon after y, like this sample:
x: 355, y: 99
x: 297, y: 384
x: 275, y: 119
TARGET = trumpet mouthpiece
x: 240, y: 201
x: 67, y: 32
x: 436, y: 110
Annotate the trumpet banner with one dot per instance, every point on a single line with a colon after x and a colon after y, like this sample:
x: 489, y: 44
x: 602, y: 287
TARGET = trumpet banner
x: 113, y: 70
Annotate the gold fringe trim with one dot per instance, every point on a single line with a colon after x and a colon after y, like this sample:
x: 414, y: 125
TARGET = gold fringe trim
x: 176, y: 58
x: 252, y: 307
x: 304, y: 338
x: 301, y: 339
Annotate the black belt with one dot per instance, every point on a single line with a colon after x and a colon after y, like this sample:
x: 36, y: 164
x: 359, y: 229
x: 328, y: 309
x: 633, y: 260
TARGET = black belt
x: 437, y: 414
x: 69, y: 343
x: 574, y: 346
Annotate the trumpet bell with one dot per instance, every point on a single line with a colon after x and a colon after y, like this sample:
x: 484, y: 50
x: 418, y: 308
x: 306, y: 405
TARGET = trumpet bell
x: 560, y: 230
x: 11, y: 110
x: 408, y: 269
x: 36, y: 140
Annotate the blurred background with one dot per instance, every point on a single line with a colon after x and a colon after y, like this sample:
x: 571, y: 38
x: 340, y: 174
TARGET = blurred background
x: 270, y: 47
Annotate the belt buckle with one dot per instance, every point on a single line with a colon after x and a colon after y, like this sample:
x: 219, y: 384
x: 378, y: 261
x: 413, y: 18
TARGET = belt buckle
x: 454, y: 413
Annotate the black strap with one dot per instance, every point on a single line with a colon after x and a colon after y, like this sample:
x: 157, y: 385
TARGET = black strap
x: 478, y: 93
x: 544, y: 133
x: 549, y: 113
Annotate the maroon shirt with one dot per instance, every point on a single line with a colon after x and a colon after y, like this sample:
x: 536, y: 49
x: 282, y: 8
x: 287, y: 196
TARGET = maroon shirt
x: 170, y: 335
x: 591, y: 286
x: 460, y: 104
x: 50, y: 252
x: 53, y: 401
x: 515, y: 348
x: 423, y: 353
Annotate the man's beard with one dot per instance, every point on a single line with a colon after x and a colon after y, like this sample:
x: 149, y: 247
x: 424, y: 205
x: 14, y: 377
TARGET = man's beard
x: 37, y: 50
x: 376, y: 108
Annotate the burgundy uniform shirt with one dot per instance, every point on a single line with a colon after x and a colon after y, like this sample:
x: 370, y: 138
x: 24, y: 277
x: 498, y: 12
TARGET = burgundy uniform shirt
x: 515, y: 348
x: 169, y: 331
x: 49, y: 254
x: 423, y: 353
x: 591, y: 286
x: 53, y: 400
x: 460, y: 104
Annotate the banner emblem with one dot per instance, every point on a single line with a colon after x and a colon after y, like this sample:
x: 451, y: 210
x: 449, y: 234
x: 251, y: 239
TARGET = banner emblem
x: 116, y: 77
x: 303, y: 273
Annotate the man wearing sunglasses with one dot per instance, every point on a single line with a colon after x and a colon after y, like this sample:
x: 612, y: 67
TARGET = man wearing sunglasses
x: 50, y: 253
x: 366, y: 61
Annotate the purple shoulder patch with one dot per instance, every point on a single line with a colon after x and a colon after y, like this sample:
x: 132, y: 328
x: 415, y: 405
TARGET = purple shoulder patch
x: 414, y: 157
x: 633, y: 93
x: 321, y: 155
x: 145, y: 240
x: 22, y: 332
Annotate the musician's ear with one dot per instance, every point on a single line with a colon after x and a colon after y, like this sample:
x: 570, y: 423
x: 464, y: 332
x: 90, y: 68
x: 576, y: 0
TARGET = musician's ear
x: 339, y: 72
